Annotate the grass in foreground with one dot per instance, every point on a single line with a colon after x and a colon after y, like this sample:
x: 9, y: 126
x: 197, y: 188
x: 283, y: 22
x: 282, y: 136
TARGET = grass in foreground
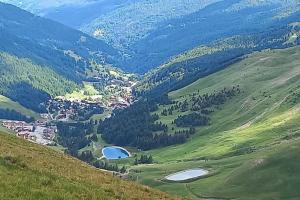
x: 30, y: 171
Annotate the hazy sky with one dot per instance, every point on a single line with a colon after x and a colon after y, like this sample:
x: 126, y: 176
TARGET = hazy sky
x: 39, y: 5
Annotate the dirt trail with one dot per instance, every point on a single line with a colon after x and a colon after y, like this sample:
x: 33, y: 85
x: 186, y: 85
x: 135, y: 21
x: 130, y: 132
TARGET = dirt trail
x: 286, y: 77
x: 266, y: 111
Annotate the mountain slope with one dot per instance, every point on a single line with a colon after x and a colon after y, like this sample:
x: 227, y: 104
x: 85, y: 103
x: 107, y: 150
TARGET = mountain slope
x: 268, y: 104
x: 251, y: 145
x: 161, y: 29
x: 43, y: 58
x: 206, y: 59
x: 34, y: 37
x: 30, y: 171
x: 73, y: 13
x: 149, y: 32
x: 30, y: 84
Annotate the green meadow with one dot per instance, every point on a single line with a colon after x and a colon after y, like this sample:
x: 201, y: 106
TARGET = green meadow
x: 251, y: 146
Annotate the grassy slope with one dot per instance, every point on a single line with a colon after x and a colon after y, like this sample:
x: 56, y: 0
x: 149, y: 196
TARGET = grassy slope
x: 263, y: 115
x: 6, y: 103
x: 271, y: 173
x: 29, y: 171
x: 86, y: 92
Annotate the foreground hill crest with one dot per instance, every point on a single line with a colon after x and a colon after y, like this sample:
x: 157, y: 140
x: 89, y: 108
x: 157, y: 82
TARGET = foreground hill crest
x: 42, y: 173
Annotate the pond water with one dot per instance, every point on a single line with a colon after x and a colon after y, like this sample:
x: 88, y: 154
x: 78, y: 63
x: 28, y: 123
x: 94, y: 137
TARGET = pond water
x: 187, y: 174
x: 112, y: 153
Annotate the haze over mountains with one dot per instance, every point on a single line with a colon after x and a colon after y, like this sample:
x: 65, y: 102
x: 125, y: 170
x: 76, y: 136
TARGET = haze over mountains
x: 73, y: 13
x: 149, y: 32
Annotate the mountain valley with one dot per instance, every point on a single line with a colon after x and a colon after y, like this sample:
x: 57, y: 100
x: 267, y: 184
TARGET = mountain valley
x: 161, y: 29
x: 149, y: 99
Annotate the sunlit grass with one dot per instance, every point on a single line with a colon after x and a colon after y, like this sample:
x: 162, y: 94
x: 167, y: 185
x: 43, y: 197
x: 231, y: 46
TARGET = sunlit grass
x: 30, y: 171
x: 260, y: 123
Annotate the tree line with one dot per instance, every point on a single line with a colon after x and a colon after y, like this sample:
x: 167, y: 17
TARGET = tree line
x: 144, y: 159
x: 75, y: 136
x: 88, y: 157
x: 201, y: 107
x: 203, y: 61
x: 137, y: 126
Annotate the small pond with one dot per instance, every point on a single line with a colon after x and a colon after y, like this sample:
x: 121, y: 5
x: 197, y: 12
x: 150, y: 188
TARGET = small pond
x: 114, y: 152
x: 187, y: 175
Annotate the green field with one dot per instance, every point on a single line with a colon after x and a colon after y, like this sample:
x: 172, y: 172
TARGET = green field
x: 272, y: 173
x: 252, y: 143
x: 86, y: 92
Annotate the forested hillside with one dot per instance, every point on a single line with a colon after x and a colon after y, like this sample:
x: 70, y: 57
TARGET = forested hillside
x: 41, y: 58
x: 30, y: 84
x: 161, y: 29
x: 206, y: 59
x: 218, y: 20
x: 149, y: 32
x: 140, y: 125
x: 42, y: 35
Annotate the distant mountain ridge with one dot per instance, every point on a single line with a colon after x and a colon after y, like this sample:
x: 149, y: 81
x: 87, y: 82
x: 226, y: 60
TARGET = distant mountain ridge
x: 203, y: 60
x: 149, y: 32
x: 26, y: 26
x: 39, y: 6
x: 73, y: 13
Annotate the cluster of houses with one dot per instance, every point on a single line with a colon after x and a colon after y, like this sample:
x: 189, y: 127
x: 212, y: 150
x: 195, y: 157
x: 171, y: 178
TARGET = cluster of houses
x: 118, y: 95
x: 119, y: 102
x: 122, y: 98
x: 63, y: 109
x: 37, y: 132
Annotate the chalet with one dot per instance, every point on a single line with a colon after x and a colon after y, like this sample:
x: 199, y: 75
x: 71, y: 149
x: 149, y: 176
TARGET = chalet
x: 23, y: 135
